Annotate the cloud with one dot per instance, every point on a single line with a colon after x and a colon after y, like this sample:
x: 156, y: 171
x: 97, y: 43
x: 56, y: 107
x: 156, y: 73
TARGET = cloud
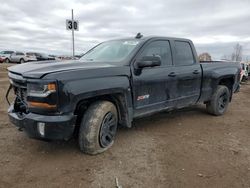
x: 214, y: 26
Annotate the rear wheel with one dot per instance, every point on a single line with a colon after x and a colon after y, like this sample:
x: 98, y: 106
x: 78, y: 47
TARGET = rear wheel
x: 219, y: 102
x: 6, y: 60
x: 22, y: 61
x: 98, y: 127
x: 244, y: 79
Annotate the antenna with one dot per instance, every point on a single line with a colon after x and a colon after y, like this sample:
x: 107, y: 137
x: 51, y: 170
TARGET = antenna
x: 138, y: 36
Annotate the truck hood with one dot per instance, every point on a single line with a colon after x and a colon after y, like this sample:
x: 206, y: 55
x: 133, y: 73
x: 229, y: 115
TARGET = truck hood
x: 40, y: 69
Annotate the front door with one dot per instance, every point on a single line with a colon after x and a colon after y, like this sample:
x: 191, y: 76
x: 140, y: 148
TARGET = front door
x: 152, y: 86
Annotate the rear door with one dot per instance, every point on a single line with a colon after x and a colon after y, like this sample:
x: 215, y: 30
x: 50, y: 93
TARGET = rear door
x: 188, y: 73
x: 20, y: 55
x: 152, y: 86
x: 17, y: 56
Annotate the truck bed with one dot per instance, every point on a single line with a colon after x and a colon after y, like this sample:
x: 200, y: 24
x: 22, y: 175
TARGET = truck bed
x: 212, y: 71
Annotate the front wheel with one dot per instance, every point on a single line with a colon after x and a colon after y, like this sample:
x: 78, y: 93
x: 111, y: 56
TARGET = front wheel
x: 98, y: 127
x: 219, y: 102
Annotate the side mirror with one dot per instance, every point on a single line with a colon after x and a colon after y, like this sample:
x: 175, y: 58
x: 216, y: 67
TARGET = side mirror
x: 149, y: 61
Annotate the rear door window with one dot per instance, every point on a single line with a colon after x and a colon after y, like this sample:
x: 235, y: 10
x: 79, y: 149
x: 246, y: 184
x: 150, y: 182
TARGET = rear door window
x: 184, y: 54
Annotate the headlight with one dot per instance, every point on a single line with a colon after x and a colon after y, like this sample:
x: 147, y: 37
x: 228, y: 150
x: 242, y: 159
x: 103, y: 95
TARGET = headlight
x: 40, y: 89
x: 42, y: 95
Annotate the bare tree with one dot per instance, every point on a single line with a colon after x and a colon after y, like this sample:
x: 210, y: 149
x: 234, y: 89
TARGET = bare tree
x: 247, y: 59
x: 226, y: 57
x: 237, y: 53
x: 205, y: 57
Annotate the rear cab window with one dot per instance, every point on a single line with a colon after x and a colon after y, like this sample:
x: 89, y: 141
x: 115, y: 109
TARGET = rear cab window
x: 183, y: 53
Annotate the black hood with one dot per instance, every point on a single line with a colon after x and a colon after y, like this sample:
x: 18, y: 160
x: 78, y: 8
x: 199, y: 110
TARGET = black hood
x: 42, y: 68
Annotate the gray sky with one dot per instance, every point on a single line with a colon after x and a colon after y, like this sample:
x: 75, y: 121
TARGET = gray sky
x: 215, y: 26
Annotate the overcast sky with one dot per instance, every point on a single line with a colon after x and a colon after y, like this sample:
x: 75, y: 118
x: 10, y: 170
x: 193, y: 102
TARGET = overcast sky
x: 215, y: 26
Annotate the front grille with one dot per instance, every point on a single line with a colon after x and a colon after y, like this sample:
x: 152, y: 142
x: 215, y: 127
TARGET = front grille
x: 21, y: 94
x: 19, y: 85
x: 20, y: 104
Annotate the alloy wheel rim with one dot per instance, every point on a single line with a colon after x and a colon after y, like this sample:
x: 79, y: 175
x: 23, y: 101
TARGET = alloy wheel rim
x: 108, y: 129
x: 223, y: 100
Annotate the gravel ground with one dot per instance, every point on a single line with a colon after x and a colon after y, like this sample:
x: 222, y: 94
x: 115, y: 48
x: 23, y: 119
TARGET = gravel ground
x: 185, y: 148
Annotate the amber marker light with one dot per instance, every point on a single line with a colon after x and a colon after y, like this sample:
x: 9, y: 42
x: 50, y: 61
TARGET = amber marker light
x: 51, y: 87
x: 41, y: 105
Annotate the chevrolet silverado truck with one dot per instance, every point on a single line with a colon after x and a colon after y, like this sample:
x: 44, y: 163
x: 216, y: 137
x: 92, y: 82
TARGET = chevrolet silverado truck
x: 112, y: 84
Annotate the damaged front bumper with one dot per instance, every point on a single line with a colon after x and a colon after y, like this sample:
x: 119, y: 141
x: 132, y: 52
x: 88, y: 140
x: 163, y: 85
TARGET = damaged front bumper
x: 58, y: 127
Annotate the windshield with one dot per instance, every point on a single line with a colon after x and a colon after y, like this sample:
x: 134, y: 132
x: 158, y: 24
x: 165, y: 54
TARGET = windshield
x: 111, y: 51
x: 6, y: 52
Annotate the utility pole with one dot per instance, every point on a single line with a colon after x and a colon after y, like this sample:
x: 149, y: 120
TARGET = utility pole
x: 72, y: 25
x: 73, y: 34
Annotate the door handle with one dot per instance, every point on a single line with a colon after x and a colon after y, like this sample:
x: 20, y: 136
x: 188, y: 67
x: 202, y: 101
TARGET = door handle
x: 196, y: 72
x: 172, y: 74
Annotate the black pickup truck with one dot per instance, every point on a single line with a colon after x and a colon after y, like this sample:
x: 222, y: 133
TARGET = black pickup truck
x: 112, y: 84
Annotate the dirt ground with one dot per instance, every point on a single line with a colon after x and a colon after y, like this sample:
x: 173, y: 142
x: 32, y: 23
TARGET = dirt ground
x: 186, y: 148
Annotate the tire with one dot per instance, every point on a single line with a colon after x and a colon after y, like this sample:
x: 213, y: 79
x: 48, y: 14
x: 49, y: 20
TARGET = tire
x: 6, y: 60
x: 244, y: 79
x: 22, y: 61
x: 98, y: 127
x: 219, y: 102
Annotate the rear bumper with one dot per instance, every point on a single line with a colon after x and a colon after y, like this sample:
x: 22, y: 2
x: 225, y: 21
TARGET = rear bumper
x: 59, y: 127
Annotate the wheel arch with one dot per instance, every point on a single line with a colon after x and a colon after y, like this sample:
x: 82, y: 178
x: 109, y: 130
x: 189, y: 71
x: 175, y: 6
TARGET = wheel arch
x: 227, y: 81
x: 20, y: 60
x: 120, y: 100
x: 7, y: 59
